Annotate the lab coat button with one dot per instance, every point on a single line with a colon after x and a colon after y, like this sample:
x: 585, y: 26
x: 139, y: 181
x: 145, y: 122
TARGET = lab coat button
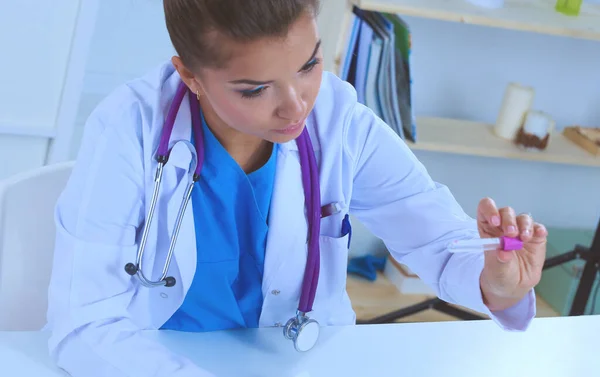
x: 275, y: 292
x: 163, y: 295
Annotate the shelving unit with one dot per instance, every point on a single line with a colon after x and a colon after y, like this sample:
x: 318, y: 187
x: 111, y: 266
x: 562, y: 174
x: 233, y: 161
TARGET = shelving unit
x: 474, y: 138
x: 536, y: 16
x: 477, y: 139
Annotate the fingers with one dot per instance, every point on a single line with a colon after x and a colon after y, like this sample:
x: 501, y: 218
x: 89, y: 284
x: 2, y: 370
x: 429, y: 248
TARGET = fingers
x: 509, y: 222
x: 525, y: 225
x: 504, y: 256
x: 504, y: 221
x: 539, y: 233
x: 487, y: 213
x: 521, y: 226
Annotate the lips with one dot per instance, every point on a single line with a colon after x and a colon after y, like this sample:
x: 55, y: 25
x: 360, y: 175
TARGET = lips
x: 292, y: 128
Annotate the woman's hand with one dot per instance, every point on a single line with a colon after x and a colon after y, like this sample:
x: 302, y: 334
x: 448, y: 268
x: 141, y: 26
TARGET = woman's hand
x: 509, y: 275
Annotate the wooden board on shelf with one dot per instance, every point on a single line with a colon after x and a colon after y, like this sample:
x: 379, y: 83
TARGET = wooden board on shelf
x: 478, y: 139
x: 586, y: 138
x: 536, y: 16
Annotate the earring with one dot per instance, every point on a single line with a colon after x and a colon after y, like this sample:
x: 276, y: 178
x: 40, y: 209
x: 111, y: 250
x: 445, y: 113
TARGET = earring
x: 198, y: 95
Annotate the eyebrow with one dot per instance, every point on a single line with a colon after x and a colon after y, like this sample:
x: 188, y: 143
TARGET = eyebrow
x: 254, y: 82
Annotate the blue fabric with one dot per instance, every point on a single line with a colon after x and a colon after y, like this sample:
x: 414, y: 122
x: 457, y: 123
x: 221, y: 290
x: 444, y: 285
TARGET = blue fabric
x: 366, y: 266
x: 231, y: 210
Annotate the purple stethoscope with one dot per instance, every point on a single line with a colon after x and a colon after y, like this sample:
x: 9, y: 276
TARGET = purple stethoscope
x: 301, y: 329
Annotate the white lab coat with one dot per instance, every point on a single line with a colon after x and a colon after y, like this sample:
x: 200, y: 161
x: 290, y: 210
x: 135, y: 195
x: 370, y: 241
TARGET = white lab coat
x: 96, y: 310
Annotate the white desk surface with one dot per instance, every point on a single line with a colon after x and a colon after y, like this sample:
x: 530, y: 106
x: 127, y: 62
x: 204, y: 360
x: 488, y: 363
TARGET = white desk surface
x: 552, y: 347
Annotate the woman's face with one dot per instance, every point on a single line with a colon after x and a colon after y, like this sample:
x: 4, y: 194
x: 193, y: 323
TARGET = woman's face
x: 267, y: 88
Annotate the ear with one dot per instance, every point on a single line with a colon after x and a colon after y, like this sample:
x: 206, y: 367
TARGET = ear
x: 187, y: 76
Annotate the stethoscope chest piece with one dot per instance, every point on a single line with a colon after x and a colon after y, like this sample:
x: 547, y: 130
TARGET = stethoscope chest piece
x: 303, y: 331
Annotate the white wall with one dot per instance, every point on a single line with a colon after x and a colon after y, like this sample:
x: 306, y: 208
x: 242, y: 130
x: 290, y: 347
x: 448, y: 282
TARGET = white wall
x: 130, y: 39
x: 35, y: 42
x: 459, y: 70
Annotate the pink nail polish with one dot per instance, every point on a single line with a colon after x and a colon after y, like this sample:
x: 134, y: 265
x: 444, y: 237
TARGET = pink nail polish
x: 495, y: 220
x: 511, y: 228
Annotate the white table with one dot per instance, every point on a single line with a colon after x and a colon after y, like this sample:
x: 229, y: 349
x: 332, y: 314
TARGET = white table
x: 552, y: 347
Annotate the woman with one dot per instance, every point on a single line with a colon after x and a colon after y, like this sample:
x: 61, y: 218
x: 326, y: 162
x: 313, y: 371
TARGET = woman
x: 254, y: 70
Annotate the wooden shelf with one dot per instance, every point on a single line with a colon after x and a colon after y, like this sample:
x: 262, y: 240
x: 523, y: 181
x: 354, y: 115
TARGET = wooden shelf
x: 478, y: 139
x: 525, y: 15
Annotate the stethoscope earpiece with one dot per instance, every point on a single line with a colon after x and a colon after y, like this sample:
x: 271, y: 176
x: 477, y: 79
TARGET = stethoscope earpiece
x: 169, y: 281
x: 131, y: 269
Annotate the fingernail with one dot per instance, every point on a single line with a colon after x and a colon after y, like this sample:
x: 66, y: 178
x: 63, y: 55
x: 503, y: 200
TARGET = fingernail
x: 495, y: 220
x: 526, y: 232
x: 511, y: 229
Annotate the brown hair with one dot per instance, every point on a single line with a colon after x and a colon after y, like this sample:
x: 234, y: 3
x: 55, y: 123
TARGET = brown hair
x: 197, y: 26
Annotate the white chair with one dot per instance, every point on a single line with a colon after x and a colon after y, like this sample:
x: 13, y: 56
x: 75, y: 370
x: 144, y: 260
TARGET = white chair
x: 27, y: 234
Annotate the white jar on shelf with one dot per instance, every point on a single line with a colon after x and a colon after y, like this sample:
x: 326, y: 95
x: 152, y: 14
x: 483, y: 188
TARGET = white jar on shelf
x: 517, y: 101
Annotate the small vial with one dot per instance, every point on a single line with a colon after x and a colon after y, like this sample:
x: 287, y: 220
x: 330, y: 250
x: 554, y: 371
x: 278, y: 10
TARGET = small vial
x: 568, y: 7
x: 485, y: 244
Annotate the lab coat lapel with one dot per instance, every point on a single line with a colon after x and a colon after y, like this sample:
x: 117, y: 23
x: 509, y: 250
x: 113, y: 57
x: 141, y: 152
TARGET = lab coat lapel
x: 287, y: 219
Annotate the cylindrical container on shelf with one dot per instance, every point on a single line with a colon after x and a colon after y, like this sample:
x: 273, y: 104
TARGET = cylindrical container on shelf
x: 517, y: 101
x: 536, y: 130
x: 488, y: 3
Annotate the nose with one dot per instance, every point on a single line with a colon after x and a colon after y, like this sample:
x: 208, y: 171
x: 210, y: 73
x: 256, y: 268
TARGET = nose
x: 292, y: 106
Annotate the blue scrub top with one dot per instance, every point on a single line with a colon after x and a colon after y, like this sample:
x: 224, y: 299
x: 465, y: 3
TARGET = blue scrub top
x: 231, y: 209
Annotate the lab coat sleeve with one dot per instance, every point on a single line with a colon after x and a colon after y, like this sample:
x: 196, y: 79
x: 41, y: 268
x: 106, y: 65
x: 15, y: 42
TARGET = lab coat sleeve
x: 97, y: 218
x: 396, y: 199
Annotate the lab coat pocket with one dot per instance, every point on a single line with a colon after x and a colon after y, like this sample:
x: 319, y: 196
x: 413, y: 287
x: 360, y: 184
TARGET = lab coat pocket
x: 100, y: 287
x: 336, y: 225
x: 332, y: 273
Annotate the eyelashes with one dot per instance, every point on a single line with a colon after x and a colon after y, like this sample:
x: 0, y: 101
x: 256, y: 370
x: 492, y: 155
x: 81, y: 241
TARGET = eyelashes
x: 256, y: 92
x: 310, y: 65
x: 253, y: 92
